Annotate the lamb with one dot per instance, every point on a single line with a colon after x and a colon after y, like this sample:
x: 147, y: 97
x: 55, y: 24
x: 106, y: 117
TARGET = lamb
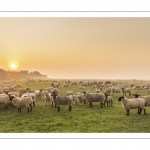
x: 108, y: 90
x: 22, y: 102
x: 63, y: 100
x: 126, y: 90
x: 32, y: 95
x: 5, y: 99
x: 48, y: 98
x: 108, y: 100
x: 94, y: 97
x: 138, y: 103
x: 82, y: 87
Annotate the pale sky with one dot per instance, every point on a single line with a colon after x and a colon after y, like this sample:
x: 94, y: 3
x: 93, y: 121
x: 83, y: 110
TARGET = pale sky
x: 96, y: 48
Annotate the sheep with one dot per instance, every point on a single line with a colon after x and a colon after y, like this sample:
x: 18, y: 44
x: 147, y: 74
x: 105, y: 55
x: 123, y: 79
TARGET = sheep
x: 69, y: 93
x: 108, y: 99
x: 66, y: 85
x: 73, y: 83
x: 22, y: 102
x: 147, y: 98
x: 11, y: 89
x: 136, y: 103
x: 29, y: 94
x: 14, y: 93
x: 63, y: 100
x: 49, y: 89
x: 81, y: 98
x: 74, y: 98
x: 98, y: 90
x: 48, y: 98
x: 108, y: 90
x: 126, y: 90
x: 94, y: 97
x: 5, y: 99
x: 82, y: 87
x: 115, y: 90
x: 23, y: 90
x: 39, y: 93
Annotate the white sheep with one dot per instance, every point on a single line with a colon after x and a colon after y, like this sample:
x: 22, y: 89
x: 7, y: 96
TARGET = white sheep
x: 63, y: 100
x: 22, y: 102
x: 126, y: 90
x: 32, y: 95
x: 108, y: 99
x: 115, y: 90
x: 135, y: 103
x: 39, y: 93
x: 14, y: 93
x: 5, y: 99
x: 94, y: 97
x: 69, y: 93
x: 48, y: 98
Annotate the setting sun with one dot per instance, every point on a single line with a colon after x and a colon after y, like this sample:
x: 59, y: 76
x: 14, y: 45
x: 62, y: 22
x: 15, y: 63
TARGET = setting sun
x: 13, y: 65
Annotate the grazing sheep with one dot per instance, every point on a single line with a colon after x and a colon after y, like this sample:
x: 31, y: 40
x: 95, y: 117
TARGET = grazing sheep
x: 81, y: 98
x: 49, y: 89
x: 108, y: 100
x: 5, y: 99
x: 66, y: 85
x: 126, y: 90
x: 32, y: 95
x: 82, y: 87
x: 63, y: 100
x: 39, y: 93
x: 22, y: 102
x: 94, y: 97
x: 11, y: 89
x: 69, y: 93
x: 14, y: 93
x: 98, y: 90
x: 108, y: 90
x: 23, y: 90
x: 73, y: 83
x: 115, y: 90
x: 136, y: 103
x: 48, y: 98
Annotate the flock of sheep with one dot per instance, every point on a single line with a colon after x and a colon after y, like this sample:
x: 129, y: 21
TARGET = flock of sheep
x: 25, y: 97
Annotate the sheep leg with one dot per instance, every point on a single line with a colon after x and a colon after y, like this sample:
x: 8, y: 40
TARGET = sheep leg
x: 28, y: 110
x: 69, y: 109
x: 90, y: 104
x: 6, y: 106
x: 127, y: 112
x: 144, y: 111
x: 18, y: 110
x: 52, y: 104
x: 34, y: 104
x: 58, y: 108
x: 140, y: 110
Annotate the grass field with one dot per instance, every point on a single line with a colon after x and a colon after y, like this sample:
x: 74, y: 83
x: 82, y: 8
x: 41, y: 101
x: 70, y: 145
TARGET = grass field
x: 82, y: 119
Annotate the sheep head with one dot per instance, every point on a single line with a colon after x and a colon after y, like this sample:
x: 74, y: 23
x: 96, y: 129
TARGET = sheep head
x: 120, y: 98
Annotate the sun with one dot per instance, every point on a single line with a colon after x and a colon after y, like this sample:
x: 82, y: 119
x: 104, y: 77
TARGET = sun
x: 13, y: 65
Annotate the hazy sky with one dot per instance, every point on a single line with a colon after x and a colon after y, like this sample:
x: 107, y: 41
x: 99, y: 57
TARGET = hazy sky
x: 98, y: 48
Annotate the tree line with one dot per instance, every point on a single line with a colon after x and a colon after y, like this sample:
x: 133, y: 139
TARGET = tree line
x: 22, y: 74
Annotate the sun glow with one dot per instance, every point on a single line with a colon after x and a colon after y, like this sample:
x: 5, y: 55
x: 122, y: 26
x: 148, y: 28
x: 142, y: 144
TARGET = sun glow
x: 13, y: 65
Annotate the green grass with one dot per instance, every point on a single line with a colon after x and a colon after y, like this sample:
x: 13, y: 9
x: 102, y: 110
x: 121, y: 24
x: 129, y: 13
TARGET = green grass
x: 82, y: 119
